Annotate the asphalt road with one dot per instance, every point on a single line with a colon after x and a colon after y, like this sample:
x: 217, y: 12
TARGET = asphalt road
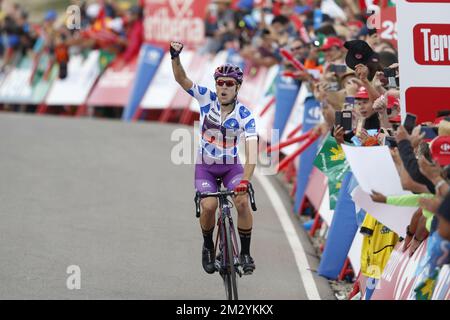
x: 105, y: 196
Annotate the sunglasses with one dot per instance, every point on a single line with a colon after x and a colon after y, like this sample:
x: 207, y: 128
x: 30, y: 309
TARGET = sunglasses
x: 228, y: 83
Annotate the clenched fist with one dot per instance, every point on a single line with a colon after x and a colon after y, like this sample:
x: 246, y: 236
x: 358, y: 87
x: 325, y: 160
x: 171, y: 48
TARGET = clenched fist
x: 175, y: 49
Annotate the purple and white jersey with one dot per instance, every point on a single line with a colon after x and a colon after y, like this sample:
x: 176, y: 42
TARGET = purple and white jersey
x: 220, y: 140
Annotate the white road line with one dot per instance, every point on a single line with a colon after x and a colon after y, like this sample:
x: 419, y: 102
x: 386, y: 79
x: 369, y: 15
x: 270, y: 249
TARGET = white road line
x: 289, y: 229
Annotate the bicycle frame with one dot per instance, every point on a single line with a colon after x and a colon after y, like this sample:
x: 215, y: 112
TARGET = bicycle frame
x: 226, y: 238
x: 225, y: 213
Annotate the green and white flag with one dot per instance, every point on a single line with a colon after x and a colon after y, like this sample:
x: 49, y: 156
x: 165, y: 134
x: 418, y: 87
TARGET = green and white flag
x: 331, y: 161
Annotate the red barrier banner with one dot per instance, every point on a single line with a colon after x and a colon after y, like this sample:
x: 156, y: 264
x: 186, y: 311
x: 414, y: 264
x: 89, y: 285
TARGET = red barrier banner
x: 398, y: 276
x: 401, y: 276
x: 426, y: 102
x: 251, y: 87
x: 388, y: 22
x: 441, y: 290
x: 316, y: 188
x: 114, y: 86
x: 175, y: 20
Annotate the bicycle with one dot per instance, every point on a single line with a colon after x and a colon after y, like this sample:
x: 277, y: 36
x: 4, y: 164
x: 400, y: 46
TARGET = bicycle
x: 227, y: 261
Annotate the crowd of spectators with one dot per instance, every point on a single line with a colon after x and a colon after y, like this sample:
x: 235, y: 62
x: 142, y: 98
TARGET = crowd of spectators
x: 113, y: 26
x: 355, y: 72
x: 359, y: 76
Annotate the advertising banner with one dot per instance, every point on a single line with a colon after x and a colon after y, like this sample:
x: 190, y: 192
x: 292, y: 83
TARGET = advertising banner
x: 311, y: 116
x: 285, y: 95
x: 399, y: 274
x: 163, y: 88
x: 424, y: 57
x: 174, y: 20
x: 442, y: 288
x: 317, y: 187
x: 264, y: 117
x: 340, y: 234
x: 250, y: 91
x: 114, y: 86
x: 81, y: 76
x: 148, y: 62
x: 195, y: 73
x: 388, y: 25
x: 19, y: 87
x: 295, y: 119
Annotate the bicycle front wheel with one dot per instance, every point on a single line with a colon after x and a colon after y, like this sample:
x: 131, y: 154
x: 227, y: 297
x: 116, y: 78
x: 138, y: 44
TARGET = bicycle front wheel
x: 230, y: 275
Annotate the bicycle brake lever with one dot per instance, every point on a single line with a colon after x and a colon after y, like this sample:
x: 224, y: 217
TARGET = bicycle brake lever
x: 251, y: 193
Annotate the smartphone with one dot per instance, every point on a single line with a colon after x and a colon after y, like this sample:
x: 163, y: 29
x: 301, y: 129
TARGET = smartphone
x: 430, y: 132
x: 338, y: 68
x: 390, y: 142
x: 389, y: 73
x: 344, y: 119
x: 410, y: 122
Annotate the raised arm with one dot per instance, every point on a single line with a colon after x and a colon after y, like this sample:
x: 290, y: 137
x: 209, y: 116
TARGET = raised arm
x: 177, y: 68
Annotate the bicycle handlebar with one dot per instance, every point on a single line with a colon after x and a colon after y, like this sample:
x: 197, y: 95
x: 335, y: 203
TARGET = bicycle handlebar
x: 199, y: 196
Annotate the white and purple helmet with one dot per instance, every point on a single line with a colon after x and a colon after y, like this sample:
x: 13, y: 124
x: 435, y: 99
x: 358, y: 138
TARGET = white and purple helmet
x: 229, y: 70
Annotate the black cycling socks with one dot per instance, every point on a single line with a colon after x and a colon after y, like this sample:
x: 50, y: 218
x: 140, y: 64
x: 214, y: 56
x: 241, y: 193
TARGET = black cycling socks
x: 245, y: 235
x: 208, y: 238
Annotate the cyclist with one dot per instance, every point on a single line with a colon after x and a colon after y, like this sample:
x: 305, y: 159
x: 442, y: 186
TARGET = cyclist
x: 222, y: 120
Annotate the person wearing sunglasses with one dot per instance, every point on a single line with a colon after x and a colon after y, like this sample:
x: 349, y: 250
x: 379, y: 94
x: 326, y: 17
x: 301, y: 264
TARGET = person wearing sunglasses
x: 222, y: 121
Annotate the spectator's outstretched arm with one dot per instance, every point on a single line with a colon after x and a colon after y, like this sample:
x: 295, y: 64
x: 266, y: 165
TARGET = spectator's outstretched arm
x: 407, y: 182
x: 177, y: 68
x: 380, y: 106
x: 409, y: 159
x: 411, y: 229
x: 420, y: 235
x: 433, y: 173
x: 362, y: 72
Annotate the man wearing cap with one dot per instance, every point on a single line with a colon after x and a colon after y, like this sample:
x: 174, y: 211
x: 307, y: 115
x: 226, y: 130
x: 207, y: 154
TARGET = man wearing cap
x: 366, y: 114
x: 332, y: 48
x: 364, y: 106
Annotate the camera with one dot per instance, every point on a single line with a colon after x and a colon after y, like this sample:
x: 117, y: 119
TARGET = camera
x: 338, y: 68
x: 410, y: 122
x: 390, y: 74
